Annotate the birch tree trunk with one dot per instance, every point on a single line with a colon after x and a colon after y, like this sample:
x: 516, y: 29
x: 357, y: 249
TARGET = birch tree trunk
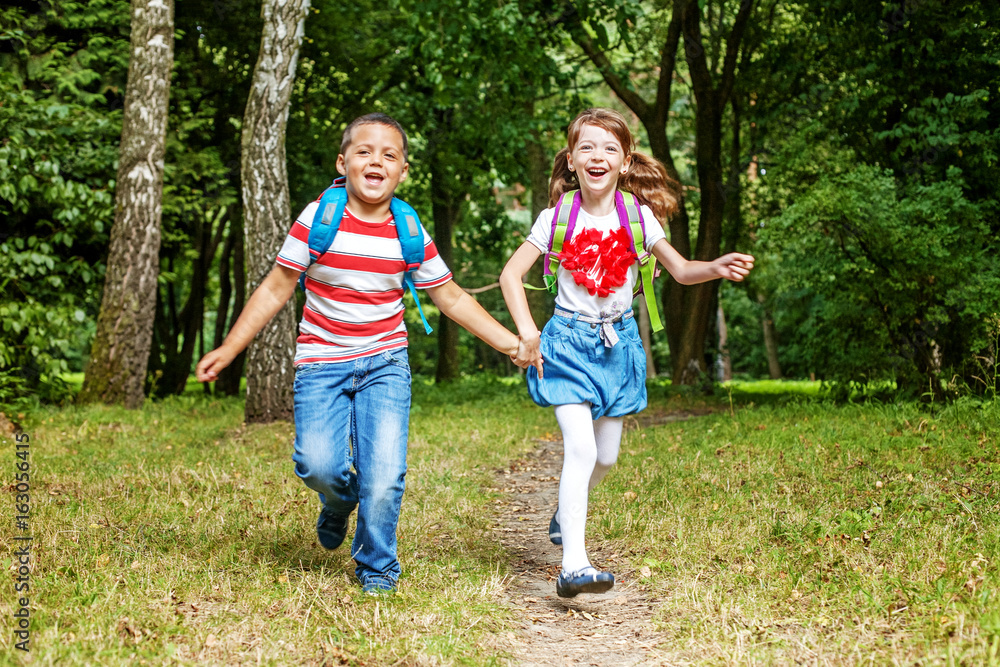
x: 116, y: 372
x: 267, y: 211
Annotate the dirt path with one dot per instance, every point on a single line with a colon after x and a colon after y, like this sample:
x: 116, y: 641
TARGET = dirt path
x: 613, y: 628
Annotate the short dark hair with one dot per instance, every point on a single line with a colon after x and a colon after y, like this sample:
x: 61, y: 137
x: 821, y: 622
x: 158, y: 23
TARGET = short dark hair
x: 375, y: 119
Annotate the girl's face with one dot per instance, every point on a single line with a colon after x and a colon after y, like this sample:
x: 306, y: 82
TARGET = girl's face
x: 598, y: 160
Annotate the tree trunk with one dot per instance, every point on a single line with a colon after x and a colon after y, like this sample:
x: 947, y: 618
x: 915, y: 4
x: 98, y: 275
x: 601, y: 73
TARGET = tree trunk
x: 770, y: 339
x: 266, y: 207
x: 116, y: 371
x: 725, y: 365
x: 445, y: 207
x: 711, y: 98
x: 540, y: 302
x: 229, y: 379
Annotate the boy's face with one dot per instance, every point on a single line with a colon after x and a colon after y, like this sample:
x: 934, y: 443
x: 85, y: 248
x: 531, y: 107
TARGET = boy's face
x: 374, y: 165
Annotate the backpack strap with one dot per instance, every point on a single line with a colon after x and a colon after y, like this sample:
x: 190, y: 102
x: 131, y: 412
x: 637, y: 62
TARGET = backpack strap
x: 326, y: 222
x: 411, y: 240
x: 630, y: 217
x: 563, y: 222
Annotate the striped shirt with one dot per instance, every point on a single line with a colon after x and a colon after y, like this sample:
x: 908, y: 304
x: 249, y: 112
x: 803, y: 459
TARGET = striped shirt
x: 354, y: 292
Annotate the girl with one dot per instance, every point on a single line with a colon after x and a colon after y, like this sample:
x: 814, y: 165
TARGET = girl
x: 594, y: 365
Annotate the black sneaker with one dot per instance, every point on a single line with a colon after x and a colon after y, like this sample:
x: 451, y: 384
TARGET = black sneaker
x: 587, y: 580
x: 555, y: 532
x: 331, y: 529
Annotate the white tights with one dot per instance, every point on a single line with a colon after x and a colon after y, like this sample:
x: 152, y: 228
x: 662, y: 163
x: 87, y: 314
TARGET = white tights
x: 590, y: 448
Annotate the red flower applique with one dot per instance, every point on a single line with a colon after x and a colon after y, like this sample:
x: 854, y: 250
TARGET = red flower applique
x: 599, y: 264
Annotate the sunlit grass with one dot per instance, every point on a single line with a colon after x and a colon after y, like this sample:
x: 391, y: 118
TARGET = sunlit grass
x: 177, y: 532
x: 813, y: 532
x: 775, y: 527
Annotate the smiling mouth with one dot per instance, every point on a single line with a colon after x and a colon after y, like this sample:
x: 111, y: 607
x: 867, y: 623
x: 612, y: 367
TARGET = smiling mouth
x: 374, y: 179
x: 597, y: 172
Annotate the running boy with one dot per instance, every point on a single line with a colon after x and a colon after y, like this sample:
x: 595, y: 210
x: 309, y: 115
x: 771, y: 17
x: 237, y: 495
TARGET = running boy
x: 352, y: 378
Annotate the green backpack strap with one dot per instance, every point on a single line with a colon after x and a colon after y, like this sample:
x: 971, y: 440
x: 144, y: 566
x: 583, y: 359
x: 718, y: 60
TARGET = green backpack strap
x: 563, y: 221
x: 631, y: 218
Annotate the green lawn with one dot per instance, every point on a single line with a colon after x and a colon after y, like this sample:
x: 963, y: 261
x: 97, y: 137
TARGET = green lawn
x: 777, y: 527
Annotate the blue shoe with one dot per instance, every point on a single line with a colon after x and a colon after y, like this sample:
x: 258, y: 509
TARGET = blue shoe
x: 331, y: 528
x: 555, y: 532
x: 378, y: 586
x: 587, y: 580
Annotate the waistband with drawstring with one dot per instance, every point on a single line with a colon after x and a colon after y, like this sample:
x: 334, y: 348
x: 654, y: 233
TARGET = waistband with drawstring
x: 607, y: 333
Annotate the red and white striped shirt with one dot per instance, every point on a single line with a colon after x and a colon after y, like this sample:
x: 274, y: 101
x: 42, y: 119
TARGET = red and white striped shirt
x: 354, y: 292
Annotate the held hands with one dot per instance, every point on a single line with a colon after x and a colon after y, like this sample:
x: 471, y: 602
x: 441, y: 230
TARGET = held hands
x: 735, y: 266
x: 528, y: 352
x: 211, y: 364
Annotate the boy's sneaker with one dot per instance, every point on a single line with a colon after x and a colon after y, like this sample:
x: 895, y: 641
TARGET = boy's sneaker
x: 555, y: 532
x: 587, y: 580
x: 331, y: 529
x: 379, y: 586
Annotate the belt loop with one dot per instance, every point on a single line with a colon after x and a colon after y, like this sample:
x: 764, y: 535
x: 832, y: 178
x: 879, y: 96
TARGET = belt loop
x: 573, y: 320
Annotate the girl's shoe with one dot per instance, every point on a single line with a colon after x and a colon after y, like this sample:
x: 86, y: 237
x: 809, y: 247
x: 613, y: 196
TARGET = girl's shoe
x: 587, y: 580
x: 555, y: 532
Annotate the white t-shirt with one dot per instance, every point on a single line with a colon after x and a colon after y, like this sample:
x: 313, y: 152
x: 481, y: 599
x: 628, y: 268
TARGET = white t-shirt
x: 576, y: 298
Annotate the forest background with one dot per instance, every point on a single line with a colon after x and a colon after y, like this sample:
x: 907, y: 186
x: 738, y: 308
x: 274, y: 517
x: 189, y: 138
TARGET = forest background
x: 851, y: 146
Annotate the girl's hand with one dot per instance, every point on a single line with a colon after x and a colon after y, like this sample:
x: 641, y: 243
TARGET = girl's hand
x: 735, y: 266
x: 529, y: 352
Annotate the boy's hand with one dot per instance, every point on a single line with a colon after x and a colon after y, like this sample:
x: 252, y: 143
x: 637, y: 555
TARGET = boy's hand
x: 211, y: 364
x: 735, y: 266
x: 529, y: 352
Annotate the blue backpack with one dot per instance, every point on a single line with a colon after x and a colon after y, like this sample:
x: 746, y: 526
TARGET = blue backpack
x: 327, y: 221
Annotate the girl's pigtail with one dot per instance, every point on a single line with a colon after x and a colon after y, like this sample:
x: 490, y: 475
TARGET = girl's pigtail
x: 563, y: 180
x: 647, y: 179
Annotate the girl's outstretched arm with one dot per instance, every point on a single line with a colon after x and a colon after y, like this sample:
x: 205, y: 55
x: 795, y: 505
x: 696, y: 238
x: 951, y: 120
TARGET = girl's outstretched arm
x: 517, y: 303
x: 735, y: 266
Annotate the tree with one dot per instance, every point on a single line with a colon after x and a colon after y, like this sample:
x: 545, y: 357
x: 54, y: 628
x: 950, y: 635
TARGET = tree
x: 689, y: 309
x: 63, y: 73
x: 119, y: 355
x: 877, y: 213
x: 473, y: 109
x: 267, y: 212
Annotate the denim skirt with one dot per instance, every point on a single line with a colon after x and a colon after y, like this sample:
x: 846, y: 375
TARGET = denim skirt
x: 579, y: 368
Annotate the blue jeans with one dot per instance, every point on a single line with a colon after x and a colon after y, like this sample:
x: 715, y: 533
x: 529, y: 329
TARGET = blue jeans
x: 356, y: 414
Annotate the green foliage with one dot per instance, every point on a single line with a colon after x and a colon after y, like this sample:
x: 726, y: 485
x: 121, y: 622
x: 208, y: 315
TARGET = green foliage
x: 887, y: 285
x: 876, y: 213
x: 62, y: 74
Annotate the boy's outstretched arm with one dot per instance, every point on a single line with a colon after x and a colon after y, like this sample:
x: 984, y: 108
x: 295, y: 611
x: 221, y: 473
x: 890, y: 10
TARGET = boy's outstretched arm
x: 454, y: 302
x: 735, y: 266
x: 264, y: 303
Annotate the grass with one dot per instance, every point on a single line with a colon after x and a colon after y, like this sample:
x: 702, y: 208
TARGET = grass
x: 777, y: 527
x: 815, y: 533
x: 177, y: 534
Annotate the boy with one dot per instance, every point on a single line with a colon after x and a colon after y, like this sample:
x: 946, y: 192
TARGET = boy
x: 352, y: 379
